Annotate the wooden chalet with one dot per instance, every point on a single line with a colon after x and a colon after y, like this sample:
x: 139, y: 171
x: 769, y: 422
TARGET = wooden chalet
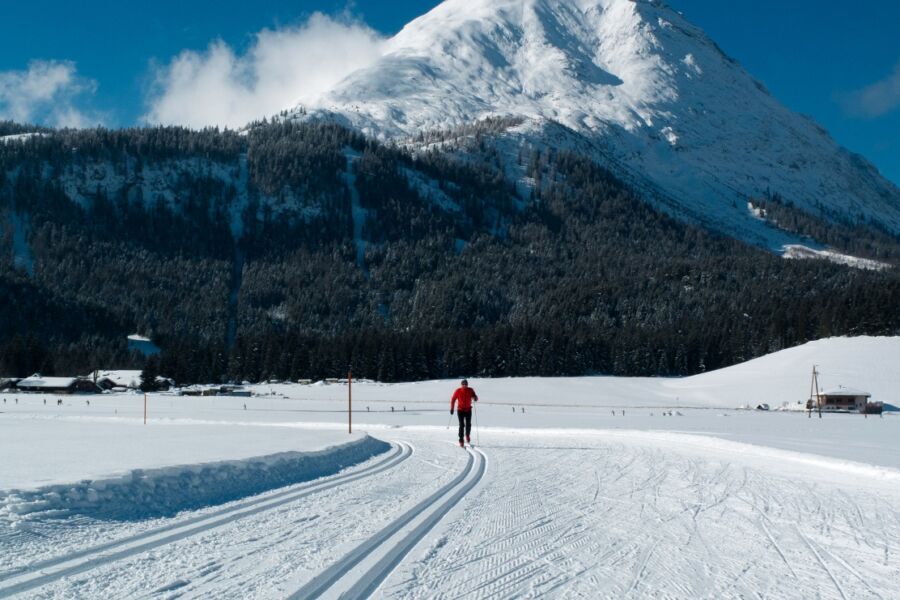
x: 57, y: 385
x: 844, y: 400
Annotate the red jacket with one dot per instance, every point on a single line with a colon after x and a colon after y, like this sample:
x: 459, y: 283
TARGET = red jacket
x: 463, y: 395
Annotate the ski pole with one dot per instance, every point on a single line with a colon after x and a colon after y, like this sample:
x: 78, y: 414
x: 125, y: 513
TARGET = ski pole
x: 450, y: 418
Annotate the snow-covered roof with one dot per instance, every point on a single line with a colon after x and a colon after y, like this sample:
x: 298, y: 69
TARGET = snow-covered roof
x: 843, y: 391
x: 122, y: 377
x: 134, y: 337
x: 37, y: 381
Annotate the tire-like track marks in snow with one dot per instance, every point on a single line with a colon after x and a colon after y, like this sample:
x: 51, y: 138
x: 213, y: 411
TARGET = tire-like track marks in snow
x: 48, y: 571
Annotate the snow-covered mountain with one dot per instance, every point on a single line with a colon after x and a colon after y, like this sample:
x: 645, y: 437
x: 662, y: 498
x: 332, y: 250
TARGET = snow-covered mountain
x: 632, y: 83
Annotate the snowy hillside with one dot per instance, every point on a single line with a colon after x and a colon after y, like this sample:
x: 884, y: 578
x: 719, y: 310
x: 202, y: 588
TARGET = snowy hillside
x: 868, y: 363
x: 783, y: 377
x: 631, y: 82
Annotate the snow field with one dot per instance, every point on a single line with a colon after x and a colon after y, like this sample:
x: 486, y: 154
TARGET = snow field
x: 32, y: 575
x: 585, y: 514
x: 563, y: 495
x: 47, y: 445
x: 582, y: 516
x: 272, y: 553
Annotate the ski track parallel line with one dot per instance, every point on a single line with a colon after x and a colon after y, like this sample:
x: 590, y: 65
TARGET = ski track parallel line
x: 369, y: 582
x: 90, y: 558
x: 777, y: 547
x: 333, y: 574
x: 821, y: 562
x: 850, y: 570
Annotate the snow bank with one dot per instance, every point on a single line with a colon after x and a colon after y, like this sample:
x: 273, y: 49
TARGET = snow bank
x: 166, y: 491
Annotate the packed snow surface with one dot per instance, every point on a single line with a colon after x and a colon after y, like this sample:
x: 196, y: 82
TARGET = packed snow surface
x: 632, y: 83
x: 595, y: 487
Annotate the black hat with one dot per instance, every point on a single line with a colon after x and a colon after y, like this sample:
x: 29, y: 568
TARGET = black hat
x: 464, y: 382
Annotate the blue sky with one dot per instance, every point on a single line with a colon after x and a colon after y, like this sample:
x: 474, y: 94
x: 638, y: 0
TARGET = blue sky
x: 100, y: 60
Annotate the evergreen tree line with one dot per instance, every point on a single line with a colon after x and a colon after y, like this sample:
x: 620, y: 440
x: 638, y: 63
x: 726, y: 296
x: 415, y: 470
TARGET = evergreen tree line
x: 140, y: 231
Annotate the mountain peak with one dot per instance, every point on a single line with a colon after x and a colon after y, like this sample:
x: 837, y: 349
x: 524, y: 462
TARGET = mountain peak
x: 647, y: 90
x: 583, y: 63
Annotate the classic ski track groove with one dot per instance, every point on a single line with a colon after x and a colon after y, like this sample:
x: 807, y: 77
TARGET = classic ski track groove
x: 90, y: 558
x: 367, y: 583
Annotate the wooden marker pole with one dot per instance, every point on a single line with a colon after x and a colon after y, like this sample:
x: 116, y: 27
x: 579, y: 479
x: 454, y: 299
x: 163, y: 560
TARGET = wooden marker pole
x: 350, y: 400
x: 145, y: 409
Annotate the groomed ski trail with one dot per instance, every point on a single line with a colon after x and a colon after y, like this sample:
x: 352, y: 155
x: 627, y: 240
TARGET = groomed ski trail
x: 667, y: 521
x: 48, y: 571
x: 394, y: 541
x: 557, y: 515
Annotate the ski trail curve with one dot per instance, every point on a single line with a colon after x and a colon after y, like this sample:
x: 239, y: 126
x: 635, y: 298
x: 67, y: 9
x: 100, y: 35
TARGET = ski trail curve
x: 432, y: 508
x: 48, y: 571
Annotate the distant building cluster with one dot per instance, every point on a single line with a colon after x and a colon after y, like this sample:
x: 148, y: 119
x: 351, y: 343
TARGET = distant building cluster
x: 96, y: 383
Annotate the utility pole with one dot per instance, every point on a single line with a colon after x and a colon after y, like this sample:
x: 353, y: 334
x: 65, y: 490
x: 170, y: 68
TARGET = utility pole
x: 809, y: 402
x: 814, y: 389
x: 350, y: 399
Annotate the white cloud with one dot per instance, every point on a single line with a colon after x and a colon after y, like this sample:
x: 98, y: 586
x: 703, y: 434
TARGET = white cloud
x: 281, y: 69
x: 877, y: 99
x: 48, y: 93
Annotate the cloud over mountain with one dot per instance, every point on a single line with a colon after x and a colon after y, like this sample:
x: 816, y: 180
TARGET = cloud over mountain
x: 282, y: 68
x: 877, y: 99
x: 48, y: 91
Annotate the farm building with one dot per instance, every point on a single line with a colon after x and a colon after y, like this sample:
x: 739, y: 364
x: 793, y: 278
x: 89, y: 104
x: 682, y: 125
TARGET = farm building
x: 128, y: 379
x: 57, y: 385
x: 844, y: 399
x: 125, y: 379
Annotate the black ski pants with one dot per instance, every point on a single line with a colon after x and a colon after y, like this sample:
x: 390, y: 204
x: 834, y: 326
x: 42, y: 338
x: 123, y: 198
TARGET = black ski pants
x: 465, y: 423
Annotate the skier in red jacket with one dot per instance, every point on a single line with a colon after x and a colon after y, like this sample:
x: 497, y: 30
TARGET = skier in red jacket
x: 464, y: 395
